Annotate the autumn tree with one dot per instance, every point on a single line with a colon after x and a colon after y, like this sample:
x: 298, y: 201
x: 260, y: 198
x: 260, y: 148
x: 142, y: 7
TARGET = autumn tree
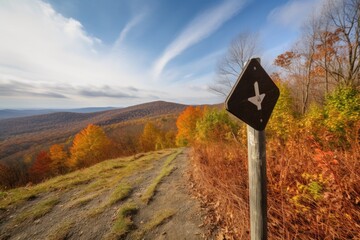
x: 90, y: 146
x: 283, y: 114
x: 300, y: 66
x: 169, y: 139
x: 155, y: 138
x: 344, y: 19
x: 11, y: 175
x: 186, y: 125
x: 41, y: 168
x: 149, y: 137
x: 58, y: 159
x: 326, y: 54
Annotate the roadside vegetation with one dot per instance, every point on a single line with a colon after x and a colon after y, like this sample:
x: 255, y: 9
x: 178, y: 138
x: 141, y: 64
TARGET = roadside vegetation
x: 313, y: 139
x: 312, y: 171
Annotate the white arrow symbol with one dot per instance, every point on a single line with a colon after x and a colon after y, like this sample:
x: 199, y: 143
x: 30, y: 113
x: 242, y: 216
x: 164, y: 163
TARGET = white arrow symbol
x: 258, y: 98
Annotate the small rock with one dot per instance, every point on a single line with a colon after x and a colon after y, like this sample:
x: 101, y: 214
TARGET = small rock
x: 163, y: 233
x: 81, y: 233
x: 37, y: 221
x: 141, y: 222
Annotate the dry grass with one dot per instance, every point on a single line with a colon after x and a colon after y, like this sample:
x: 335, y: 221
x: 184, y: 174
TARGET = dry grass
x: 123, y: 223
x: 165, y: 171
x: 60, y: 231
x: 82, y: 201
x: 120, y: 193
x: 313, y: 190
x: 159, y: 219
x: 38, y: 210
x: 101, y: 176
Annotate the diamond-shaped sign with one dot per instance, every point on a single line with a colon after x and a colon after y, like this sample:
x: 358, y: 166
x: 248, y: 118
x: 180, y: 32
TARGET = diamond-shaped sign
x: 253, y: 97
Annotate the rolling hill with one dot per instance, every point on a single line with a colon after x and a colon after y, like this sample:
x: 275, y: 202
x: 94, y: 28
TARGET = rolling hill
x: 20, y: 136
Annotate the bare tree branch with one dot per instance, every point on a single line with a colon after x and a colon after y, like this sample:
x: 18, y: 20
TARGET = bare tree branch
x: 241, y: 49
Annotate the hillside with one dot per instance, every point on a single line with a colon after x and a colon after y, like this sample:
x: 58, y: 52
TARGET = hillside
x: 15, y: 113
x: 18, y: 135
x: 143, y: 197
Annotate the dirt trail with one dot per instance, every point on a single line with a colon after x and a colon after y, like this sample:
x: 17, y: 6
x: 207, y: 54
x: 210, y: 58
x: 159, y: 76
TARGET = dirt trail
x: 173, y: 195
x: 172, y: 213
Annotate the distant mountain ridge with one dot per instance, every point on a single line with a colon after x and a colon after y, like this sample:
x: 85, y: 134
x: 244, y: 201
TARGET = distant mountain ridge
x: 15, y: 113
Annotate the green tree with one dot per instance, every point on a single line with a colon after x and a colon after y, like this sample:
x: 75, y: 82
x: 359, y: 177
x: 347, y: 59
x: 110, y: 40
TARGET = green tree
x: 215, y: 126
x: 342, y: 110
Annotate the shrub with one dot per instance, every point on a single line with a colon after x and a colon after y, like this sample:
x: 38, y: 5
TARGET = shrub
x: 216, y: 126
x: 282, y: 119
x: 342, y: 111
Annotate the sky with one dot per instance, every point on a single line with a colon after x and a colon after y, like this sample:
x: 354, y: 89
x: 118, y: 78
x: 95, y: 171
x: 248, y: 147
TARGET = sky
x: 100, y: 53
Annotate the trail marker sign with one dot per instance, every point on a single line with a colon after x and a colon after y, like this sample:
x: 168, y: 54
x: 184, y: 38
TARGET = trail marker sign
x: 253, y: 97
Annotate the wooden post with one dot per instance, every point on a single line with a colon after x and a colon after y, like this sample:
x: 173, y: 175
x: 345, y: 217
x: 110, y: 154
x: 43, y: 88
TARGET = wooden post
x: 257, y: 183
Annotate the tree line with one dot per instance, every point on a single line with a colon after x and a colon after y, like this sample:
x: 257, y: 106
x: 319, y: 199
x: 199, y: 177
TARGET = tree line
x: 325, y: 57
x: 90, y: 146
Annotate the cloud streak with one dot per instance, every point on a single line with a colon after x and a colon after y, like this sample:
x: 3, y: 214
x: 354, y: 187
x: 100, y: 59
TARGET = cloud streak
x: 295, y: 12
x: 14, y: 88
x: 128, y: 27
x: 197, y: 30
x: 20, y: 89
x: 105, y: 92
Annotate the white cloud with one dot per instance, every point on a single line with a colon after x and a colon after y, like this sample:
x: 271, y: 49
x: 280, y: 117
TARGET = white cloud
x: 190, y: 71
x: 198, y: 29
x: 295, y: 12
x: 48, y: 60
x: 40, y: 47
x: 128, y: 27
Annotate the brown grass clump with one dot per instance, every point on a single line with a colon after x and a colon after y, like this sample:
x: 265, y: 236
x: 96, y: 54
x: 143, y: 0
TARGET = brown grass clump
x: 220, y: 177
x: 313, y: 189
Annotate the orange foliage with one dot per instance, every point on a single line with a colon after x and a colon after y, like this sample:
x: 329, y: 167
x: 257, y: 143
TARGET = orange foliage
x: 58, y: 159
x: 90, y: 146
x: 312, y: 193
x: 154, y: 138
x: 186, y: 125
x: 284, y: 60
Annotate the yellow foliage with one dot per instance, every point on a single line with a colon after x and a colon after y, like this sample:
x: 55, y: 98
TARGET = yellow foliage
x: 58, y: 158
x: 90, y: 146
x: 186, y: 125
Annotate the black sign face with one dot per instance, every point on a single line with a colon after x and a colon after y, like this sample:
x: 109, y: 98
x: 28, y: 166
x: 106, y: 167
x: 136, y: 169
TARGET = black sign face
x: 253, y: 97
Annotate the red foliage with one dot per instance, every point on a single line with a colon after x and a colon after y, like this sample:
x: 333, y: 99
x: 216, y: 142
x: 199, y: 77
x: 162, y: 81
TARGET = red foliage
x: 313, y: 191
x: 41, y: 168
